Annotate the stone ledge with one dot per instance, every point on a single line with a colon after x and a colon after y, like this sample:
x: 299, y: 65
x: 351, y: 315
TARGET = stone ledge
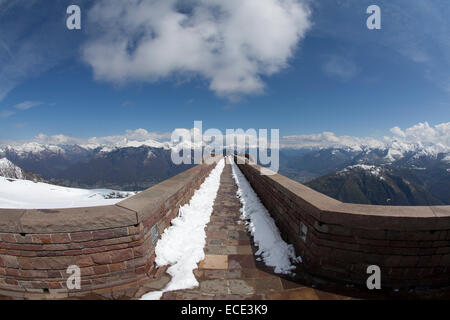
x: 111, y: 244
x: 149, y: 201
x: 126, y: 213
x: 337, y: 241
x: 327, y: 204
x: 76, y: 220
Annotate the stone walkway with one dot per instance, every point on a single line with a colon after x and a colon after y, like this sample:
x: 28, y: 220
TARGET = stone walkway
x: 230, y: 269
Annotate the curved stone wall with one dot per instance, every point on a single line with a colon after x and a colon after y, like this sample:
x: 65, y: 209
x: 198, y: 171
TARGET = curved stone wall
x: 338, y: 241
x: 113, y: 245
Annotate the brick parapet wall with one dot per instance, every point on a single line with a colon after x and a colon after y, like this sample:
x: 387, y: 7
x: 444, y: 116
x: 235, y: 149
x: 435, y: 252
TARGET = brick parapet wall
x: 113, y: 245
x: 411, y: 245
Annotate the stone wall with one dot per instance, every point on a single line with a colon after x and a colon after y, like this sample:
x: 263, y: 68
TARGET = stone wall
x: 338, y: 241
x: 113, y: 245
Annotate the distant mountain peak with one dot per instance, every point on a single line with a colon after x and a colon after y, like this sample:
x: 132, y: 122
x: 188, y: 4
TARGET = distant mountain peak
x: 375, y: 171
x: 10, y: 170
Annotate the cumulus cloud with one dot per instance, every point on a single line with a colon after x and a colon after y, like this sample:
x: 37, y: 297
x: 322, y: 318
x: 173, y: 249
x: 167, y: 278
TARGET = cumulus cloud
x: 398, y: 132
x: 424, y: 134
x: 328, y: 140
x: 231, y: 44
x: 58, y: 139
x: 435, y: 139
x: 138, y: 135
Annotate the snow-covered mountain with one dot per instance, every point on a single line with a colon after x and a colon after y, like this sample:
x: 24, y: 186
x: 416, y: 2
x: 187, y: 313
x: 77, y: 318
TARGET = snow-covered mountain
x: 127, y: 165
x: 136, y: 162
x: 386, y: 185
x: 10, y: 170
x: 309, y: 163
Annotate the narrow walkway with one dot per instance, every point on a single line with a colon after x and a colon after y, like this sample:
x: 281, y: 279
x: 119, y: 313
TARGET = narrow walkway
x: 230, y: 269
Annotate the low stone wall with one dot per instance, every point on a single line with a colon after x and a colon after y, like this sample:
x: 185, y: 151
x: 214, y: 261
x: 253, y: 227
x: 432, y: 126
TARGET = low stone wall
x: 338, y: 241
x: 113, y: 245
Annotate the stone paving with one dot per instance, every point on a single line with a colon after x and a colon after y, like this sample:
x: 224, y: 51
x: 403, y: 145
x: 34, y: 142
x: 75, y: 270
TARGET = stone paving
x: 230, y: 269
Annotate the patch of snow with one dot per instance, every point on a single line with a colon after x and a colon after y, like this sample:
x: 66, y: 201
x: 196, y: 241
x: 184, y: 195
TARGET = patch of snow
x: 372, y: 170
x: 272, y: 248
x: 447, y: 159
x: 23, y: 194
x: 89, y: 146
x: 335, y: 152
x: 182, y: 245
x: 107, y: 149
x: 393, y: 155
x: 151, y: 155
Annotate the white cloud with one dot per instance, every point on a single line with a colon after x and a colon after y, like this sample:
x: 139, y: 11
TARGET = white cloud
x: 424, y: 134
x: 27, y: 105
x: 430, y: 139
x: 138, y: 135
x: 398, y: 132
x: 230, y: 43
x: 329, y: 140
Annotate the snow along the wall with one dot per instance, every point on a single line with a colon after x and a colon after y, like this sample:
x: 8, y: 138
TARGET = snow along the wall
x: 182, y: 245
x: 275, y: 252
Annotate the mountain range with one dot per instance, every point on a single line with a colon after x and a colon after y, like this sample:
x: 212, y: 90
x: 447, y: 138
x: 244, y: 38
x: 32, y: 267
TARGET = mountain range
x: 408, y: 174
x: 386, y: 185
x: 372, y: 176
x: 118, y: 168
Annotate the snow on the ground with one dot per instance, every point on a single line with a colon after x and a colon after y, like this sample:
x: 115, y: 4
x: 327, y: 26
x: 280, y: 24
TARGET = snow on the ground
x: 373, y: 170
x: 24, y: 194
x: 182, y: 245
x: 275, y: 252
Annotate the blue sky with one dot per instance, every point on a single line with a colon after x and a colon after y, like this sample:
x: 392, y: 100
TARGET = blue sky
x: 330, y: 74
